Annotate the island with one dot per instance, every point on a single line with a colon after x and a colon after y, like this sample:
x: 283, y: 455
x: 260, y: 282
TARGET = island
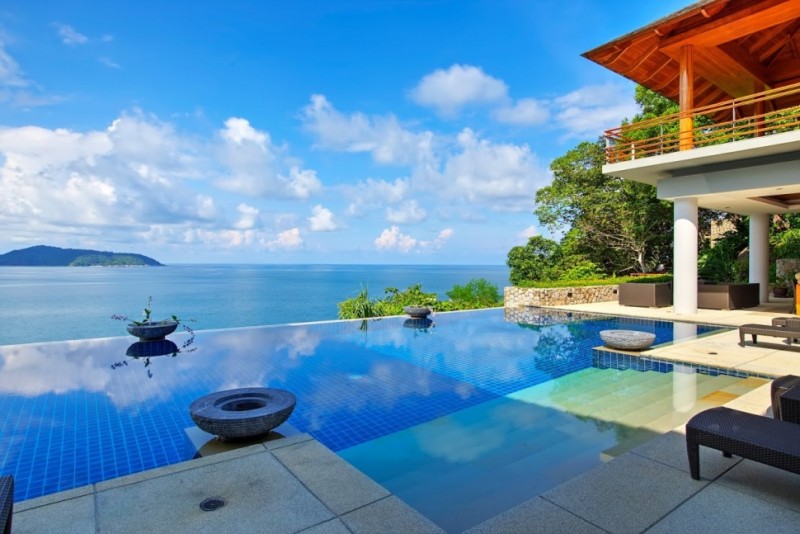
x: 45, y: 256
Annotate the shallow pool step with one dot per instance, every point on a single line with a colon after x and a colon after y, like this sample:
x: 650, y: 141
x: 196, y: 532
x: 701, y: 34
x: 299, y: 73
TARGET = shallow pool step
x: 616, y: 387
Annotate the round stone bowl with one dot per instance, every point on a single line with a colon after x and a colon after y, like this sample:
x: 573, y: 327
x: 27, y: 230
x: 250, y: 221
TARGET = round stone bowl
x: 417, y: 312
x: 627, y: 339
x: 242, y: 413
x: 152, y: 331
x: 146, y: 349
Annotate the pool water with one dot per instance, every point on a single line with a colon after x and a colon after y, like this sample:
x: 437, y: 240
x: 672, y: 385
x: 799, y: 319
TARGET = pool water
x: 462, y: 418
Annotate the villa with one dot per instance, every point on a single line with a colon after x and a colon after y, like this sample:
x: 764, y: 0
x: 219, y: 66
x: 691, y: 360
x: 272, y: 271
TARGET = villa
x: 488, y: 421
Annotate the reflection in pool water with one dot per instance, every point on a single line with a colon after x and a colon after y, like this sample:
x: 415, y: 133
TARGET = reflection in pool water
x: 71, y: 418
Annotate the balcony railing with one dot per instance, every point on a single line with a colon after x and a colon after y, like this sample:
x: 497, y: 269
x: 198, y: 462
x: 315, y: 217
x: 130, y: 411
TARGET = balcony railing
x: 711, y: 125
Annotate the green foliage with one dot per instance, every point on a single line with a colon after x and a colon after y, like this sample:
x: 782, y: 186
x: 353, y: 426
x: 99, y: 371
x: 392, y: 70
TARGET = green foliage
x: 361, y: 306
x: 617, y: 224
x: 537, y: 260
x: 648, y: 279
x: 786, y: 244
x: 477, y: 293
x: 580, y: 269
x: 720, y: 263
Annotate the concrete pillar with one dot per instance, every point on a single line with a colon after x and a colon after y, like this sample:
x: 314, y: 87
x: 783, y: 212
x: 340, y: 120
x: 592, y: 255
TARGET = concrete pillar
x: 759, y: 253
x: 684, y: 297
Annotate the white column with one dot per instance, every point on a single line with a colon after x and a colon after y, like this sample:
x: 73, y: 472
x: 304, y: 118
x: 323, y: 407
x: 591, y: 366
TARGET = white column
x: 684, y: 297
x: 759, y: 253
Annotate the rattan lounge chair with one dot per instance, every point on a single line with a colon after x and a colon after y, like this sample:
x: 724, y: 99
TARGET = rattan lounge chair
x: 6, y: 502
x: 761, y: 439
x: 789, y: 332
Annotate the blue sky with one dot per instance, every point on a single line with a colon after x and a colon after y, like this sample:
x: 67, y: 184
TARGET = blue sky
x: 371, y: 131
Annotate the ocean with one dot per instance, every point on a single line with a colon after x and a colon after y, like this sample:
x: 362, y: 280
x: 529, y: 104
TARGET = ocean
x: 62, y: 303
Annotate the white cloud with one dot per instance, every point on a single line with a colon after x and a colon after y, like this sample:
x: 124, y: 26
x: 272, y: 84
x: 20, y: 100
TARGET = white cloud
x: 526, y: 112
x: 448, y: 91
x: 380, y: 136
x: 322, y: 220
x: 109, y: 63
x: 527, y: 233
x: 69, y: 36
x: 10, y: 73
x: 248, y: 215
x: 257, y: 167
x: 439, y: 242
x: 287, y: 240
x: 505, y: 176
x: 372, y: 194
x: 393, y: 238
x: 590, y: 110
x: 408, y: 212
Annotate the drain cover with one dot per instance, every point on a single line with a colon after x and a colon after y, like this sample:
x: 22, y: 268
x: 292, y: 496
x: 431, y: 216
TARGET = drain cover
x: 209, y: 505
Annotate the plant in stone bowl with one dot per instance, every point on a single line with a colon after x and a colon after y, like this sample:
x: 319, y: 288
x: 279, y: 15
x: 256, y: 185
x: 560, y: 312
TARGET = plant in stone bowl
x: 150, y: 330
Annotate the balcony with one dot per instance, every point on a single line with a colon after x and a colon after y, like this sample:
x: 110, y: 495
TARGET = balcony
x: 758, y: 115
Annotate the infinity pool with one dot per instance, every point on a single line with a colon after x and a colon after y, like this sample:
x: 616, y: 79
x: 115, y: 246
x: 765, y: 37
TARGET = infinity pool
x: 462, y: 418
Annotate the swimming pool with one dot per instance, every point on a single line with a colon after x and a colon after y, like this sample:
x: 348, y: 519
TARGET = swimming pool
x: 466, y: 409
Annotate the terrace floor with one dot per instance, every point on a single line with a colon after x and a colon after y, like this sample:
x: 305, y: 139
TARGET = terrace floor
x: 295, y: 484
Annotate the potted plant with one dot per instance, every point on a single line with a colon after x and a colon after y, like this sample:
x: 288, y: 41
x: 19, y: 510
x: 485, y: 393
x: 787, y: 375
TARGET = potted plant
x: 148, y: 329
x: 783, y: 285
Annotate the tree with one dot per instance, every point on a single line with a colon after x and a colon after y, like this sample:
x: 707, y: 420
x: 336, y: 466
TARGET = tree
x: 621, y: 224
x: 537, y: 260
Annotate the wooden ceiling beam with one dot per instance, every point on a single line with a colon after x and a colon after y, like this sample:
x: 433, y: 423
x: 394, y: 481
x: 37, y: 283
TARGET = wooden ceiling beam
x: 735, y: 25
x: 768, y: 35
x: 746, y: 61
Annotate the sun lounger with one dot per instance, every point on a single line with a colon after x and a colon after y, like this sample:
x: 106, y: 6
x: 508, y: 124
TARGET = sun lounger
x: 788, y: 332
x: 761, y: 439
x: 6, y: 503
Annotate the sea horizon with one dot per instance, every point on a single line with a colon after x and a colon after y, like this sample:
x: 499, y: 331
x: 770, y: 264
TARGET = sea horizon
x: 64, y: 303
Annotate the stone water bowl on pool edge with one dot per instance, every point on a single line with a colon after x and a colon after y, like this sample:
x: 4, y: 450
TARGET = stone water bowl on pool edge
x: 417, y: 312
x: 242, y: 413
x: 627, y: 339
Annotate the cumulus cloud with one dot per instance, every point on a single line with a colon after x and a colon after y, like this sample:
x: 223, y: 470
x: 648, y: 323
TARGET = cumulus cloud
x: 137, y: 180
x: 525, y: 112
x: 439, y: 242
x: 70, y: 36
x: 449, y: 91
x: 372, y: 194
x: 287, y: 240
x: 258, y: 167
x: 590, y: 110
x: 408, y: 212
x: 322, y: 220
x: 393, y: 238
x: 381, y: 136
x: 506, y: 176
x: 248, y: 215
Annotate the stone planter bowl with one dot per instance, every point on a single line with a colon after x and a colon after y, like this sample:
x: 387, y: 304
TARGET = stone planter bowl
x: 153, y: 331
x: 417, y: 312
x: 627, y: 339
x: 242, y: 413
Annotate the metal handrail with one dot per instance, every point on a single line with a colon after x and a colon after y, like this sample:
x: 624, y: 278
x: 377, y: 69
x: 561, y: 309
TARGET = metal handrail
x: 626, y: 142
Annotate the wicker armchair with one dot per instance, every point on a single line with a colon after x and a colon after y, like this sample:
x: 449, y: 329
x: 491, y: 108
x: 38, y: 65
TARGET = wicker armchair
x: 761, y: 439
x: 6, y: 502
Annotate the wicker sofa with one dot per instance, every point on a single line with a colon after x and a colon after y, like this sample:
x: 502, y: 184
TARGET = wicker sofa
x: 646, y: 295
x: 727, y: 296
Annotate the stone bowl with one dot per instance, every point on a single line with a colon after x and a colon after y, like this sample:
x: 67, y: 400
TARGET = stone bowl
x: 242, y: 413
x: 627, y: 339
x: 417, y: 312
x: 153, y: 331
x: 146, y: 349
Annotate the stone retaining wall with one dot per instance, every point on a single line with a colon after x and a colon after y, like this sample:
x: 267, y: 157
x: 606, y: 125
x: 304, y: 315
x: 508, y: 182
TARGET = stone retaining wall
x: 558, y: 296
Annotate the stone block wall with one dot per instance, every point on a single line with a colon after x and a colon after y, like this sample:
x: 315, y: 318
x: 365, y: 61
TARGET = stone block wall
x: 558, y: 296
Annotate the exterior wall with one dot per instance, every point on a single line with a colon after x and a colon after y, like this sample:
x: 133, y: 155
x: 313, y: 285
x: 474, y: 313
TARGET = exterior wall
x: 558, y: 296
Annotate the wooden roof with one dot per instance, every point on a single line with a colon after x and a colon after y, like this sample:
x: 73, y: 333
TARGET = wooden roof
x: 738, y: 46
